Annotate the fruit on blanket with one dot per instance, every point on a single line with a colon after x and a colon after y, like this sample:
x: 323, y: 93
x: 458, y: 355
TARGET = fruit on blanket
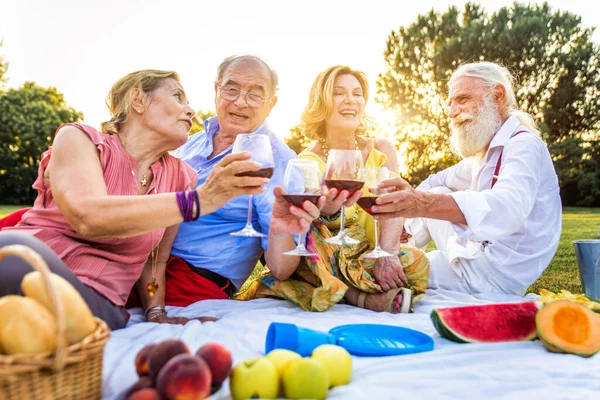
x: 487, y: 323
x: 337, y: 362
x: 145, y: 394
x: 281, y: 357
x: 142, y: 383
x: 256, y: 377
x: 141, y: 360
x: 547, y: 297
x: 25, y: 326
x: 568, y: 327
x: 80, y: 321
x: 184, y: 377
x: 218, y: 359
x: 161, y: 353
x: 305, y: 378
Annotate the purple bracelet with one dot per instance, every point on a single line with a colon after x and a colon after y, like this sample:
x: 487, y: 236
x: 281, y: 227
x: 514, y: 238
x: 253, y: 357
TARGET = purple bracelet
x: 189, y: 211
x: 180, y: 196
x: 197, y: 201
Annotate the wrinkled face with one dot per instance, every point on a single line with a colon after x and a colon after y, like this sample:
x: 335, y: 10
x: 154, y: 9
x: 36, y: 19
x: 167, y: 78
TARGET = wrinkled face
x: 252, y: 80
x: 474, y: 117
x: 168, y: 112
x: 348, y: 103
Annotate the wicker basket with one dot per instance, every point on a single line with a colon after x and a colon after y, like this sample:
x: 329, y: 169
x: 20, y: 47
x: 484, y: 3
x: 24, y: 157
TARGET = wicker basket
x: 70, y: 372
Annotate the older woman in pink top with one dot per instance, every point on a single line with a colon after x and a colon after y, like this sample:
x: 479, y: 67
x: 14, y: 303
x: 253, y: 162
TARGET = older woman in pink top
x: 109, y: 203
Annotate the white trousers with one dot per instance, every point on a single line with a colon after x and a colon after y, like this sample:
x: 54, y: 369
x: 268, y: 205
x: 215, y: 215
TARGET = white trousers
x: 465, y: 275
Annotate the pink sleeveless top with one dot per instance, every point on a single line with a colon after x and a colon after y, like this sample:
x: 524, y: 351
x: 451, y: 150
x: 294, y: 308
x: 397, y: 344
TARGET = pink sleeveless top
x: 109, y: 266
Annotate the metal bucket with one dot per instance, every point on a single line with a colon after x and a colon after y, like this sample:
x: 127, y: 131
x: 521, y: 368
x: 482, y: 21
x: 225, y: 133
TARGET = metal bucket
x: 588, y: 258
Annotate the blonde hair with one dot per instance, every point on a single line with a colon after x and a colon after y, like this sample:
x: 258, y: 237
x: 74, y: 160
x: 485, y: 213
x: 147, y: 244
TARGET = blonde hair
x: 491, y: 74
x: 119, y: 97
x: 320, y: 101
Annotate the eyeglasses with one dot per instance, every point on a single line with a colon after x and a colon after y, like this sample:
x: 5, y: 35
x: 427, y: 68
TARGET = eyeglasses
x: 253, y: 99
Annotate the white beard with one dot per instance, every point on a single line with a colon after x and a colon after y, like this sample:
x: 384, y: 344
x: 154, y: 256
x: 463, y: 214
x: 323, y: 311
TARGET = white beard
x: 475, y: 136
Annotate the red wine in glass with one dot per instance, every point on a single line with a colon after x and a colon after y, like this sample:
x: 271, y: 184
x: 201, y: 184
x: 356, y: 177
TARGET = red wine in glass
x: 351, y: 186
x: 366, y: 203
x: 298, y: 199
x: 261, y: 173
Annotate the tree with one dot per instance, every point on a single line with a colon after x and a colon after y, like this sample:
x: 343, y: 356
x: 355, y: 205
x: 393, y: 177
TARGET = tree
x: 3, y: 69
x: 29, y: 116
x: 199, y: 119
x: 556, y: 66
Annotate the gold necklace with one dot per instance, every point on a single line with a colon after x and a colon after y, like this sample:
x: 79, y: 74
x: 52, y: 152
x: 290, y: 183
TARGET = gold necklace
x: 325, y: 147
x: 152, y: 286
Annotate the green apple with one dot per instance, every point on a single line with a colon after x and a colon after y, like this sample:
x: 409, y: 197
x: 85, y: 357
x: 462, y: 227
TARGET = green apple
x: 256, y: 377
x: 305, y: 378
x: 281, y: 357
x: 337, y: 362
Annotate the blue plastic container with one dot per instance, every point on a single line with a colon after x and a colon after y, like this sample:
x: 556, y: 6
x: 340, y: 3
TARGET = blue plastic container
x: 368, y: 340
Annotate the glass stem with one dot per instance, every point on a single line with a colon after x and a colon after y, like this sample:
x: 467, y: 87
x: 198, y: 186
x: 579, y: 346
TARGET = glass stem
x: 249, y: 220
x: 377, y: 235
x: 301, y: 242
x: 342, y: 221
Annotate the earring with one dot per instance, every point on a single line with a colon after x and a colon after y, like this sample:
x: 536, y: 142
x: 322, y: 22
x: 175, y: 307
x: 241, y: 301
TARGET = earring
x: 139, y: 111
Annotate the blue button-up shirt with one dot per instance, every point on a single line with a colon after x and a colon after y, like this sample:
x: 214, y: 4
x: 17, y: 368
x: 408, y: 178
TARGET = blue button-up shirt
x: 207, y: 243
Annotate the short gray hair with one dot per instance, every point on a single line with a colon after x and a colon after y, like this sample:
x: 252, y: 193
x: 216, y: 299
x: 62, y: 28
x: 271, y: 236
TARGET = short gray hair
x: 492, y: 74
x: 229, y: 60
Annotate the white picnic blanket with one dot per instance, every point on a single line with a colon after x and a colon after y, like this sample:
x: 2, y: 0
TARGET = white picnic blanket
x: 513, y: 370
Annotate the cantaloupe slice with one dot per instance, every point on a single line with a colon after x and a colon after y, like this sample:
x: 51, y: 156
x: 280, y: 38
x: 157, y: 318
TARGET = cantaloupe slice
x: 568, y: 327
x: 79, y: 319
x: 26, y: 327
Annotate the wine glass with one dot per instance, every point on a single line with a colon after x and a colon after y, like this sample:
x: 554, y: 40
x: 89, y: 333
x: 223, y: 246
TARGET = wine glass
x: 302, y: 181
x: 373, y: 176
x: 344, y: 171
x: 260, y: 148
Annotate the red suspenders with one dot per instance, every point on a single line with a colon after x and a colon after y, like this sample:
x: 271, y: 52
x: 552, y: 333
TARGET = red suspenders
x: 499, y: 163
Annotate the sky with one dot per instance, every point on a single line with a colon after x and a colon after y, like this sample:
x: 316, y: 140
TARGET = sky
x: 82, y: 47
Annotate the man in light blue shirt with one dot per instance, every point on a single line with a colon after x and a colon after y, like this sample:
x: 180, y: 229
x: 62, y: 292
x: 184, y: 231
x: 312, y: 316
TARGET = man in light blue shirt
x: 244, y: 96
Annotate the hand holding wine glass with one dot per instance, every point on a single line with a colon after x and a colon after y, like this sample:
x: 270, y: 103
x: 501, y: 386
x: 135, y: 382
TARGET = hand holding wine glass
x: 302, y: 182
x: 373, y: 176
x: 260, y: 147
x: 344, y: 171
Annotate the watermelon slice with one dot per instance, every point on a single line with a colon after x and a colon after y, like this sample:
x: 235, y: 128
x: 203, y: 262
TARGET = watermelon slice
x: 487, y: 323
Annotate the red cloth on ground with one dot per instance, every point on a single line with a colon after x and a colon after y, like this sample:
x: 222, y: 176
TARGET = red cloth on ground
x: 184, y: 287
x: 13, y: 219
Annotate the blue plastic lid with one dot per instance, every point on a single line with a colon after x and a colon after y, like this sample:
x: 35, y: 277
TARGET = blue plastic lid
x: 374, y: 340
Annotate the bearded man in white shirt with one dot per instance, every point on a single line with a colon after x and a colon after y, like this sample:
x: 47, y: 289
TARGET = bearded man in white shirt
x: 495, y: 217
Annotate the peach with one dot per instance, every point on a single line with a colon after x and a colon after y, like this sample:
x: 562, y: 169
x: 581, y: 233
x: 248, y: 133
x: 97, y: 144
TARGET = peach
x: 218, y: 359
x: 141, y: 359
x: 142, y: 383
x: 145, y: 394
x: 162, y: 353
x: 184, y: 377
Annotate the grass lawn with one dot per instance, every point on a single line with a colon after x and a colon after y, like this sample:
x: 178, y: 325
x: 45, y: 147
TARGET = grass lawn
x: 578, y: 223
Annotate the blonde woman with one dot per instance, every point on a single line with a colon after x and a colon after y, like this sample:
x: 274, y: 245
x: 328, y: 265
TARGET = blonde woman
x: 334, y: 118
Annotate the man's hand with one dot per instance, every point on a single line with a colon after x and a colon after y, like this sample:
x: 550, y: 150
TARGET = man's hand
x: 335, y: 199
x: 389, y: 273
x: 399, y: 200
x: 287, y: 219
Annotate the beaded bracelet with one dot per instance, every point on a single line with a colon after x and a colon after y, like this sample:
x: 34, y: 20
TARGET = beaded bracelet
x: 153, y: 312
x: 330, y: 218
